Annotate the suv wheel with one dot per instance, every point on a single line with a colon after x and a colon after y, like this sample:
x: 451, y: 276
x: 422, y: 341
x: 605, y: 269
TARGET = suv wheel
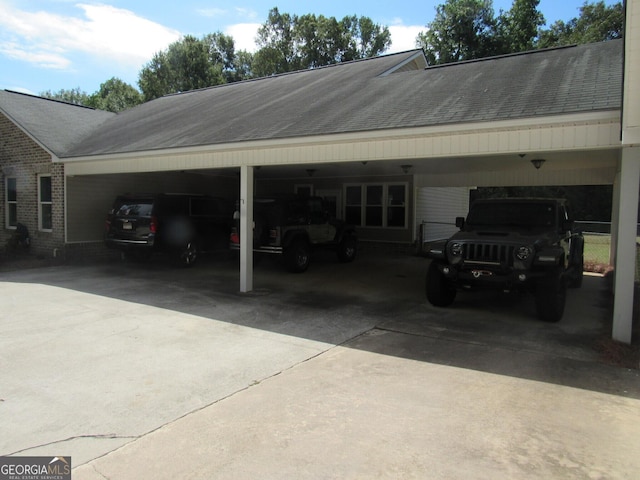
x: 440, y: 292
x: 551, y: 296
x: 188, y: 255
x: 347, y: 249
x: 298, y: 256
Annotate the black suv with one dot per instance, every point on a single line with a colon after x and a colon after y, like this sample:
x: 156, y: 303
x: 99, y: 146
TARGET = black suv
x: 293, y: 226
x: 179, y: 224
x: 520, y: 243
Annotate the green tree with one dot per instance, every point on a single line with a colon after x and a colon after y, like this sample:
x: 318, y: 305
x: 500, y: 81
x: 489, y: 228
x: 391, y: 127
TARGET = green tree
x: 461, y: 30
x: 276, y: 41
x: 597, y: 22
x: 517, y: 29
x: 75, y: 96
x: 364, y: 38
x: 114, y: 95
x: 290, y: 42
x: 193, y: 63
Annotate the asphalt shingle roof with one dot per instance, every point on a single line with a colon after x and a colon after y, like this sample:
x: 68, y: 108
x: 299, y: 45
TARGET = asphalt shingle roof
x: 359, y: 96
x: 56, y: 125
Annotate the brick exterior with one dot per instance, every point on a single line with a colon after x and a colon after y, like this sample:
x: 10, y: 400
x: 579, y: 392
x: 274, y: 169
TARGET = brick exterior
x: 22, y: 158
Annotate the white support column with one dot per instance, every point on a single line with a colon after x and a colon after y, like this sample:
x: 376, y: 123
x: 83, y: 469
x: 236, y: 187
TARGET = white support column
x: 626, y: 245
x: 246, y: 229
x: 615, y: 221
x: 629, y: 179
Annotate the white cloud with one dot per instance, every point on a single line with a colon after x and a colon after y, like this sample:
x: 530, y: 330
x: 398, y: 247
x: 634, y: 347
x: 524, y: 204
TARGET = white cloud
x: 244, y: 35
x: 211, y: 12
x: 403, y: 37
x: 49, y: 40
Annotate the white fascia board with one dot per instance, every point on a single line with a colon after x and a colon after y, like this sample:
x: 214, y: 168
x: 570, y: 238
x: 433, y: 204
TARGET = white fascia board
x: 594, y: 130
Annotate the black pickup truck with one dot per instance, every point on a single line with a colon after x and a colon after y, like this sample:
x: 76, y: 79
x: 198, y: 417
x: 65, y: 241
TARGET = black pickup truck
x: 510, y: 244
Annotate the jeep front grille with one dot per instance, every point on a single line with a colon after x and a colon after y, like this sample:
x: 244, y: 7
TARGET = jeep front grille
x: 487, y: 253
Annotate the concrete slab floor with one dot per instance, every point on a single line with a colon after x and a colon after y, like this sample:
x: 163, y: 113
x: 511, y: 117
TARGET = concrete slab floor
x: 148, y: 357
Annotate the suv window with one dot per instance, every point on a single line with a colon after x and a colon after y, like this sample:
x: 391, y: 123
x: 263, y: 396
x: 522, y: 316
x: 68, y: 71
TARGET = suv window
x: 134, y: 208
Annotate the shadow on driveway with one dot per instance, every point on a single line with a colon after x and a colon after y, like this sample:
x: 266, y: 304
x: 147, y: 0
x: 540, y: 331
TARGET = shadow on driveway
x: 335, y: 303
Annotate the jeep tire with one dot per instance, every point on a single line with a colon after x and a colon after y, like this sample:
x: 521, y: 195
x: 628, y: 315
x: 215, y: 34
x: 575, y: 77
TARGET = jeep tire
x: 440, y: 291
x: 347, y: 249
x: 297, y: 256
x: 551, y: 295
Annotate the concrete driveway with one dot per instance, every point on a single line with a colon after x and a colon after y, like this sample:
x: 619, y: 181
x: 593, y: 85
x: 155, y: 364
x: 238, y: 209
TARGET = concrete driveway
x: 147, y: 371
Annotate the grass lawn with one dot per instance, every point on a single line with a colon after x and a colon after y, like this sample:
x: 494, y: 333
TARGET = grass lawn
x: 596, y: 250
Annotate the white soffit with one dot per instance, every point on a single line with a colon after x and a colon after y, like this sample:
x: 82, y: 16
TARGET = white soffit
x: 565, y: 133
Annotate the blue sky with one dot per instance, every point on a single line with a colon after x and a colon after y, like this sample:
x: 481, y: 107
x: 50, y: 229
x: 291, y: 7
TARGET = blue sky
x: 65, y: 44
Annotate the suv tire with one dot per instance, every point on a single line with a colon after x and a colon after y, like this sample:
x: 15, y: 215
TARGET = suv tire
x: 297, y: 256
x: 347, y: 249
x: 440, y: 292
x: 551, y: 294
x: 188, y: 255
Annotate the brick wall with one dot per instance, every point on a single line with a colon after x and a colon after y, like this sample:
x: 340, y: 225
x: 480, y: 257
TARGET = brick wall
x: 24, y: 159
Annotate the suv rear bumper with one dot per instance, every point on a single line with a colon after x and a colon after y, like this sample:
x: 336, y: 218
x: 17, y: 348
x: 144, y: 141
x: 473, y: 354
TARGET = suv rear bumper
x: 128, y: 244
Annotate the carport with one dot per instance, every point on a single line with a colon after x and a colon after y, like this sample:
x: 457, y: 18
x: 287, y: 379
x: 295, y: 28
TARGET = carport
x: 472, y: 124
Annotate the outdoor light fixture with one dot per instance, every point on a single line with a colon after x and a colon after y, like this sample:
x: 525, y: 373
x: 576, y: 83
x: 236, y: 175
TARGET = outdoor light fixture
x: 406, y: 168
x: 537, y: 162
x: 311, y: 171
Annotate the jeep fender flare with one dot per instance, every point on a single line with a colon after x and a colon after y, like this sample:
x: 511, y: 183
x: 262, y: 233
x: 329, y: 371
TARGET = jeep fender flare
x: 293, y: 235
x: 345, y: 232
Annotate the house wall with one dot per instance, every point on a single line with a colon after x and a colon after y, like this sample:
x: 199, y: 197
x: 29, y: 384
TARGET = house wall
x: 89, y: 197
x: 21, y: 157
x: 366, y: 234
x: 437, y: 209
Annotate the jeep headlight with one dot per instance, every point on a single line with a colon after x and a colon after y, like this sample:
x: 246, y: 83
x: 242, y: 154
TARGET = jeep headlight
x: 456, y: 249
x: 523, y: 253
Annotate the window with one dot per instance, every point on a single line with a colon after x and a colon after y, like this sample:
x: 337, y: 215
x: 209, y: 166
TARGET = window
x: 11, y: 189
x: 377, y: 205
x: 45, y: 219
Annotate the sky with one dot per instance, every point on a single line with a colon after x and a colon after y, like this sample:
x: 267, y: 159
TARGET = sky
x: 49, y: 45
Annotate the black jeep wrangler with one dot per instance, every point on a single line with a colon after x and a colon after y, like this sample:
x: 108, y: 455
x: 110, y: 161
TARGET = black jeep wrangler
x: 510, y: 244
x: 182, y: 225
x: 293, y: 226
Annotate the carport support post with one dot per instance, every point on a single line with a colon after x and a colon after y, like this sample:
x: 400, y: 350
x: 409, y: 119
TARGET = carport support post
x: 629, y: 179
x: 246, y: 229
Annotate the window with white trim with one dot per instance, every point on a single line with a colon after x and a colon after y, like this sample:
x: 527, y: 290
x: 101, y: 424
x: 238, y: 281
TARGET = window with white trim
x: 11, y: 202
x: 45, y: 203
x: 376, y: 205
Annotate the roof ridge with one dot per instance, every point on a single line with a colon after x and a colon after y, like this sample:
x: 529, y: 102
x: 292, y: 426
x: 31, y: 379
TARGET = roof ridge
x: 515, y: 54
x: 55, y: 100
x: 293, y: 72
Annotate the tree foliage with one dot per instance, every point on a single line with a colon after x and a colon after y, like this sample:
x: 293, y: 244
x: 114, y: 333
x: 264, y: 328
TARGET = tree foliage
x: 468, y: 29
x: 75, y: 96
x: 461, y: 30
x: 289, y: 42
x: 517, y: 29
x: 193, y: 63
x: 597, y: 22
x: 114, y: 95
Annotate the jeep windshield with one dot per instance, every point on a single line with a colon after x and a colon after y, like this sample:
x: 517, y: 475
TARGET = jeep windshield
x: 517, y: 214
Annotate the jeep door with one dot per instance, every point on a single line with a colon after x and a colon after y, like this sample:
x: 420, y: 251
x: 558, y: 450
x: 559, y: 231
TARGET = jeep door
x: 320, y: 230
